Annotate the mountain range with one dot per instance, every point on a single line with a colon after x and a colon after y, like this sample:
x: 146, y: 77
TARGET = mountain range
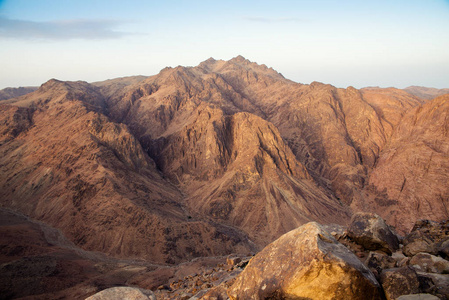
x: 219, y: 158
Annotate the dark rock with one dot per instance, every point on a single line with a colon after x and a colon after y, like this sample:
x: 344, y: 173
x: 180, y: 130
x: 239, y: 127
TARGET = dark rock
x: 305, y: 263
x: 371, y: 231
x: 418, y: 297
x: 399, y: 281
x: 435, y: 284
x: 443, y: 249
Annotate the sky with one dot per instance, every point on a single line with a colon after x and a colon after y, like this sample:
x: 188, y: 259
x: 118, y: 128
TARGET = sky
x: 344, y: 43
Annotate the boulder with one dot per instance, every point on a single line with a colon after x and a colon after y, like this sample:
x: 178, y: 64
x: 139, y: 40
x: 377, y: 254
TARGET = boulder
x: 430, y: 263
x: 418, y: 297
x: 399, y: 281
x: 305, y: 263
x: 418, y: 246
x: 435, y: 284
x: 371, y: 231
x: 123, y: 292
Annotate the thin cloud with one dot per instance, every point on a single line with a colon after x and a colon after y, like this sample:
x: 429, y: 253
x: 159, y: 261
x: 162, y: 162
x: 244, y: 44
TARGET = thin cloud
x: 272, y: 20
x: 60, y: 30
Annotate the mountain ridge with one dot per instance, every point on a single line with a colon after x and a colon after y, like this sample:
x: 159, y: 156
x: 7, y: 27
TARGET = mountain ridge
x: 226, y: 154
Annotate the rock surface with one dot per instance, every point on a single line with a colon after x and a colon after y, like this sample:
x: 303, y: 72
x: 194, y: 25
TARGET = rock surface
x: 399, y: 281
x: 412, y: 169
x: 371, y: 231
x: 418, y: 297
x: 430, y: 263
x: 305, y: 263
x: 121, y: 293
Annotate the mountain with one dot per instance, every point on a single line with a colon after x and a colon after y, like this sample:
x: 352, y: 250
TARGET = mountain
x: 8, y: 93
x: 220, y: 158
x: 426, y: 92
x: 68, y: 165
x: 412, y: 169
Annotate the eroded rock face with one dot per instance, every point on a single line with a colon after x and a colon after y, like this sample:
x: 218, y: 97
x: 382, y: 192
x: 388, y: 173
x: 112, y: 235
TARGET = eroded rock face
x: 412, y: 168
x: 88, y: 176
x: 305, y: 263
x: 371, y: 231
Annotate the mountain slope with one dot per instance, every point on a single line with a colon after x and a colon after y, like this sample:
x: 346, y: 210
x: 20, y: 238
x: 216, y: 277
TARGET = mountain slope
x: 219, y: 158
x: 190, y: 121
x: 76, y: 170
x: 413, y: 169
x: 337, y: 135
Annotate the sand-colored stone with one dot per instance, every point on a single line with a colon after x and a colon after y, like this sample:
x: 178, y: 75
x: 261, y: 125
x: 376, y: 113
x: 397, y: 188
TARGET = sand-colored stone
x: 305, y: 263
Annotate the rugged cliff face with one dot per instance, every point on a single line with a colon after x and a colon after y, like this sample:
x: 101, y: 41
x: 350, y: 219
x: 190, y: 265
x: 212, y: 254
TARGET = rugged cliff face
x: 412, y: 169
x: 73, y: 168
x: 219, y: 158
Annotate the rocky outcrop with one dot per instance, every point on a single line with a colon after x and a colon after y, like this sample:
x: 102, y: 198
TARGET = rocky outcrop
x: 305, y: 263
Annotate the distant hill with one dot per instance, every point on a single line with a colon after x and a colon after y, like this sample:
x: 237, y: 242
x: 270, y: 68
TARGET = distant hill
x: 426, y: 92
x: 10, y: 92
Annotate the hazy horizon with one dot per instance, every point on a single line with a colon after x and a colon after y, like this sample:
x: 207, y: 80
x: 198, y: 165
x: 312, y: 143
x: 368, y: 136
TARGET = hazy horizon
x: 344, y: 43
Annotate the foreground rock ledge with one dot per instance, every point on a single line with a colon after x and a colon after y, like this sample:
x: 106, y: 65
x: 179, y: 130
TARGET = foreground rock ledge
x: 305, y: 263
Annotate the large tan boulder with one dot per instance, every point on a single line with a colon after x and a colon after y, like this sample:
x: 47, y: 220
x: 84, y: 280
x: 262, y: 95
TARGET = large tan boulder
x: 305, y: 263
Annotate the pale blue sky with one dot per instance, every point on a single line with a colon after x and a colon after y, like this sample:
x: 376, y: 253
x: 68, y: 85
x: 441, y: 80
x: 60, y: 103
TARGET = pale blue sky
x: 359, y: 43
